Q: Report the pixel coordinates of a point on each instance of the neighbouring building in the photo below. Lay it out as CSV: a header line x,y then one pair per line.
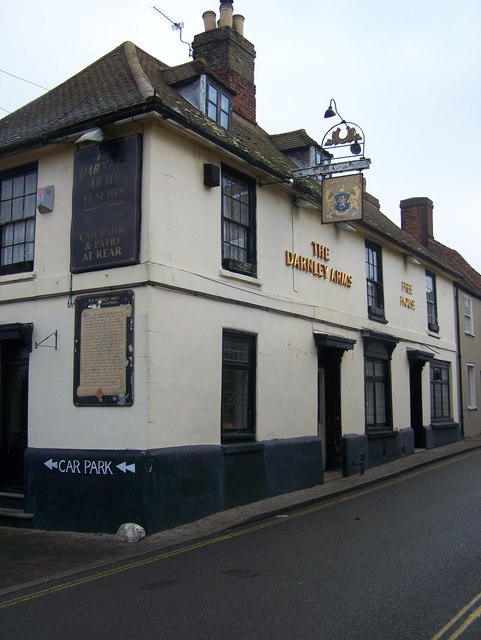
x,y
417,220
179,333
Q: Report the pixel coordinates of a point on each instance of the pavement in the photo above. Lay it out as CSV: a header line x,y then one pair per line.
x,y
30,557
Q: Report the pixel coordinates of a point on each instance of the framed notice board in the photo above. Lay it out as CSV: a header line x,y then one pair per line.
x,y
104,350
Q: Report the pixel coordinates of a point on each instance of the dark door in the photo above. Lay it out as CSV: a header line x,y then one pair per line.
x,y
329,406
415,389
13,411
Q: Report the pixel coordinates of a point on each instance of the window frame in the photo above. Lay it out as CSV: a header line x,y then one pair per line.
x,y
378,350
440,391
468,317
377,395
431,302
246,409
374,282
471,391
15,223
246,229
222,116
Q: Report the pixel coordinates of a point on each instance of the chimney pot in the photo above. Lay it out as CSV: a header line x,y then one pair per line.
x,y
209,18
238,23
226,11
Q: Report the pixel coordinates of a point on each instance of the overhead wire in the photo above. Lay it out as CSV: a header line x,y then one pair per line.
x,y
12,75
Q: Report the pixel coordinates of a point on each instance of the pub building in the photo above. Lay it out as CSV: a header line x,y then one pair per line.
x,y
185,325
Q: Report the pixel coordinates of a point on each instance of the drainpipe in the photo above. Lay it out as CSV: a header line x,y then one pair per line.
x,y
460,372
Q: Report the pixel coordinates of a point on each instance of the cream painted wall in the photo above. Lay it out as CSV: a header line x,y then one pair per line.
x,y
352,389
186,370
179,321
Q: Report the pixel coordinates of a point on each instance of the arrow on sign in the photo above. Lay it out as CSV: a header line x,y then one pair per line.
x,y
51,464
124,467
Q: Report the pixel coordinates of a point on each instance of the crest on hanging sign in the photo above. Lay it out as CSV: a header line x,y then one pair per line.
x,y
342,198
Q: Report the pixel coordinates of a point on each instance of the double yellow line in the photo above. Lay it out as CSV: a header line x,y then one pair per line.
x,y
464,618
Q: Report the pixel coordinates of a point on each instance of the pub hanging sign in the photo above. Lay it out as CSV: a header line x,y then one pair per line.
x,y
105,228
342,198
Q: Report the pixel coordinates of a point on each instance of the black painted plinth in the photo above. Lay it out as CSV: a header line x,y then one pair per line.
x,y
97,491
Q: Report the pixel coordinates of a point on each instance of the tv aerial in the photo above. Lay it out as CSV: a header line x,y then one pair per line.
x,y
176,26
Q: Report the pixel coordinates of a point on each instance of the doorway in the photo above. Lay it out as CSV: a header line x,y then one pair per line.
x,y
14,359
330,351
417,360
329,412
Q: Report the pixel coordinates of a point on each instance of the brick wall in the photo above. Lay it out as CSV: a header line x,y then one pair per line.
x,y
231,58
417,218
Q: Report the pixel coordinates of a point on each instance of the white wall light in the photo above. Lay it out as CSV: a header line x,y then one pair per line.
x,y
92,135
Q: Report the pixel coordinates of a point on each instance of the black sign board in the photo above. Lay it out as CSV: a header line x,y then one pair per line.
x,y
106,205
104,350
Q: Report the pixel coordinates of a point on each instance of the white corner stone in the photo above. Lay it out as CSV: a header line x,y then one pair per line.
x,y
130,532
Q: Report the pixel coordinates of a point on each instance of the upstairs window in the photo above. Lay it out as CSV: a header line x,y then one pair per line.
x,y
468,315
471,386
440,391
238,223
432,309
218,106
375,296
18,201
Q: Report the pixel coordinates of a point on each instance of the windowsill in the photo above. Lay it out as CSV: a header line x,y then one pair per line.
x,y
433,334
380,319
472,408
240,276
382,434
18,277
241,447
444,424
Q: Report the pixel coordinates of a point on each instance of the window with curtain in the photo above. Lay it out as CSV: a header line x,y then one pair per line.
x,y
238,223
18,201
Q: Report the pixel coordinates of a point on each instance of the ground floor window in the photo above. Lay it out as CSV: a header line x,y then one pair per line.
x,y
440,391
376,390
378,350
238,386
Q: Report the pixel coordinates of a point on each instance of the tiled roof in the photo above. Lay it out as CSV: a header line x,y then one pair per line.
x,y
470,279
292,140
100,89
128,81
184,72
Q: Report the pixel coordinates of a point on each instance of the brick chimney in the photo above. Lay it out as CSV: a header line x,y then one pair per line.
x,y
230,56
417,219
